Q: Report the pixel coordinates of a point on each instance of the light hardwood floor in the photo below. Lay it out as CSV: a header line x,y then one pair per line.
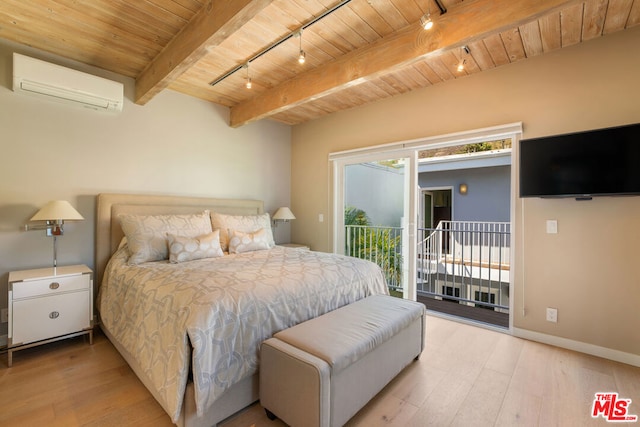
x,y
467,376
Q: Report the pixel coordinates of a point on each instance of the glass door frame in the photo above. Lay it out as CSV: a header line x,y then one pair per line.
x,y
409,242
409,149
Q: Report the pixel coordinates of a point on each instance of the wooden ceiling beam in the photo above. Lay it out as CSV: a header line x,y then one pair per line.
x,y
462,24
215,22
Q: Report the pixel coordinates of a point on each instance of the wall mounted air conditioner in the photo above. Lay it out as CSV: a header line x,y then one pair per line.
x,y
35,77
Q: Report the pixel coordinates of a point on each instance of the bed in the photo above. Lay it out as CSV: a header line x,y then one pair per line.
x,y
190,328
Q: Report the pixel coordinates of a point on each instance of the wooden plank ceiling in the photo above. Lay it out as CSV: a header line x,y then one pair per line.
x,y
364,51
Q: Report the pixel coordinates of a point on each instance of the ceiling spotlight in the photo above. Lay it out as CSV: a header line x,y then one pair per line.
x,y
302,56
425,20
248,80
463,60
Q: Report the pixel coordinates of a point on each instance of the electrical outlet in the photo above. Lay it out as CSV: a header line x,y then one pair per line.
x,y
4,315
552,315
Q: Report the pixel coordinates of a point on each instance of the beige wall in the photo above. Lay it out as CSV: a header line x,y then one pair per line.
x,y
174,145
589,271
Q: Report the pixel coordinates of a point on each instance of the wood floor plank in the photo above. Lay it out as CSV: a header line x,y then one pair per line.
x,y
484,400
519,409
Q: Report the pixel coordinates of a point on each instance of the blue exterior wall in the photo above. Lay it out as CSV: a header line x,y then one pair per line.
x,y
488,194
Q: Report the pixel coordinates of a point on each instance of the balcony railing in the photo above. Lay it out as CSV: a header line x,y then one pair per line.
x,y
466,261
462,261
381,245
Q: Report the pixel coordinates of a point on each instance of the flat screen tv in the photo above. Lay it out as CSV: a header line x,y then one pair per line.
x,y
603,162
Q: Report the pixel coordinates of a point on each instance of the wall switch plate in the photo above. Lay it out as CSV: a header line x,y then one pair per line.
x,y
552,315
320,218
4,315
552,226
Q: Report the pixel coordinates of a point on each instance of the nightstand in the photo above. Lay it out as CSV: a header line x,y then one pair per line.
x,y
46,307
295,245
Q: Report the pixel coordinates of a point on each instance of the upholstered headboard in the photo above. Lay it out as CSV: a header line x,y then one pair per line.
x,y
110,205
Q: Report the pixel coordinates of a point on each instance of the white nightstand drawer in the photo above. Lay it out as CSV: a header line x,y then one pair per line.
x,y
50,286
51,316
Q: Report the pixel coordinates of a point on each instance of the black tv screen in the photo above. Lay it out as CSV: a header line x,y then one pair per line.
x,y
594,163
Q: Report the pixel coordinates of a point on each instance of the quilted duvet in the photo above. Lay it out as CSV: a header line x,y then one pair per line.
x,y
211,315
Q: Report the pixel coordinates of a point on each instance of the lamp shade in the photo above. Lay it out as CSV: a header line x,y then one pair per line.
x,y
57,210
283,214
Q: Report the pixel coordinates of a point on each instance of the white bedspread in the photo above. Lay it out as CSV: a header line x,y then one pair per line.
x,y
225,307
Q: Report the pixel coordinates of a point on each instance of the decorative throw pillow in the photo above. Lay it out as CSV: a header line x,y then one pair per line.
x,y
147,234
245,223
245,242
183,248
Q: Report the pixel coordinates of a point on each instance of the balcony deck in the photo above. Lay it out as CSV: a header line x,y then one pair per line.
x,y
466,261
477,314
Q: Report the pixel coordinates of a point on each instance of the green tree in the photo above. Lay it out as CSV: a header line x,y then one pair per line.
x,y
375,244
477,147
355,216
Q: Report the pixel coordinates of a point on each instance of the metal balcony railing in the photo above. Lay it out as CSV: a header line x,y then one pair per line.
x,y
381,245
464,261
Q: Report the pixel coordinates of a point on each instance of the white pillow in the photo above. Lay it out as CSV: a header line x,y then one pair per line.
x,y
183,248
245,242
147,234
246,223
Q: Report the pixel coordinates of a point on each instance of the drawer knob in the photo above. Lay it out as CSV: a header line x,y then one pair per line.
x,y
54,315
54,285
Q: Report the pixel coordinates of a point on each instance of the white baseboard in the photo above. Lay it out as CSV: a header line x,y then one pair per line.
x,y
594,350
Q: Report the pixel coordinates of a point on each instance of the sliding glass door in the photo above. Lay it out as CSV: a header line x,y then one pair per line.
x,y
376,210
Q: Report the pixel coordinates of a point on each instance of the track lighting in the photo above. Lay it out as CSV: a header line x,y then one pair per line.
x,y
426,21
303,56
463,60
248,80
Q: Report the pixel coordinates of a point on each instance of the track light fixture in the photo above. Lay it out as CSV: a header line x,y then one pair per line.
x,y
425,20
248,80
302,56
463,60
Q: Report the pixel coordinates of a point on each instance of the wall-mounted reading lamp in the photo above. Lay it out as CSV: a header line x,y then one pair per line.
x,y
54,214
283,214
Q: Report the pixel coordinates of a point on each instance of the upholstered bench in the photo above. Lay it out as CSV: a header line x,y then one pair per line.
x,y
321,372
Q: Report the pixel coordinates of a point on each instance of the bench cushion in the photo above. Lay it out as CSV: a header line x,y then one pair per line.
x,y
347,334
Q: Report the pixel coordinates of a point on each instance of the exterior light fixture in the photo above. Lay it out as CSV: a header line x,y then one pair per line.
x,y
463,189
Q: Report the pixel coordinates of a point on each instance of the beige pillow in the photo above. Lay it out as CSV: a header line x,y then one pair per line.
x,y
147,234
245,242
183,248
245,223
